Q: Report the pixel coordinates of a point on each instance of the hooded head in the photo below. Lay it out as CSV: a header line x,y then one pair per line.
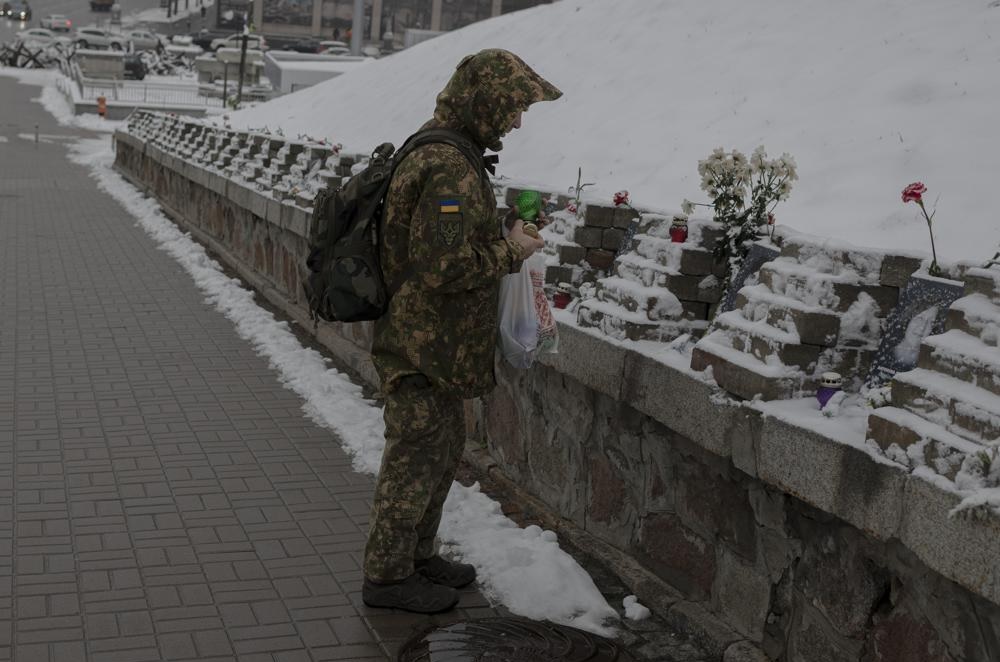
x,y
486,93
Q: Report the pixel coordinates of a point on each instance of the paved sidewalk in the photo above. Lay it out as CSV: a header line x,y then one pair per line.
x,y
162,497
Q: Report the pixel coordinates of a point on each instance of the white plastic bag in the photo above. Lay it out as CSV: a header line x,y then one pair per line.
x,y
548,332
518,336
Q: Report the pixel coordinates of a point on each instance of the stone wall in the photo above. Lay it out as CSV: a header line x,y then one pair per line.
x,y
802,545
811,548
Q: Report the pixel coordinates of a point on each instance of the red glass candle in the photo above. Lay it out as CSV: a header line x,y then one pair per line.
x,y
679,231
561,299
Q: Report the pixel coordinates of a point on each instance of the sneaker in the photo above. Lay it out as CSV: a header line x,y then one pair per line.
x,y
446,573
416,593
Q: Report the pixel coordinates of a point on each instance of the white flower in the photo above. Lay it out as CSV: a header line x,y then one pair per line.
x,y
687,206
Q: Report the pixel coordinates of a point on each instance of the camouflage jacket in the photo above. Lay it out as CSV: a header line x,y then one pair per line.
x,y
441,221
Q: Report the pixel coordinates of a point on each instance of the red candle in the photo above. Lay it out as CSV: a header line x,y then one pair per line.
x,y
678,230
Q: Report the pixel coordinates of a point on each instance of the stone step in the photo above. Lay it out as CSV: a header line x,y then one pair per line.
x,y
702,233
942,450
743,375
617,322
833,254
685,257
977,316
964,357
657,303
765,342
985,282
707,289
966,410
825,290
815,326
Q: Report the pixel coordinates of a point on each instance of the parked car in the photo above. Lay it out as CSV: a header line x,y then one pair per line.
x,y
94,37
204,38
305,46
254,41
335,48
56,23
143,40
40,37
135,68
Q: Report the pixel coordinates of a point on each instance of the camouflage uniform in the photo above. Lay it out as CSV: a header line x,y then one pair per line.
x,y
435,345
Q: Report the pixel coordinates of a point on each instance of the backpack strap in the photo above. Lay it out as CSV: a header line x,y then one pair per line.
x,y
431,136
449,137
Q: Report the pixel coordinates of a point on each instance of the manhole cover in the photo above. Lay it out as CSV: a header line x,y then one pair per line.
x,y
508,639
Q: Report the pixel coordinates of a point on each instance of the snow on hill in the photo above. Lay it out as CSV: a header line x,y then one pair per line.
x,y
867,97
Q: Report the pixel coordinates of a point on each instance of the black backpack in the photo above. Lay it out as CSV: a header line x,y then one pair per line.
x,y
345,281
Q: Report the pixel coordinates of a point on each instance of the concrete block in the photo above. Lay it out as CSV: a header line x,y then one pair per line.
x,y
740,380
964,549
258,204
742,437
589,237
219,184
695,310
897,269
604,367
571,253
299,222
696,288
983,281
813,327
624,217
840,479
273,212
558,274
700,262
599,216
600,259
612,239
679,400
238,194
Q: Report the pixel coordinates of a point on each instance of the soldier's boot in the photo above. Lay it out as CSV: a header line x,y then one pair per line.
x,y
446,573
416,593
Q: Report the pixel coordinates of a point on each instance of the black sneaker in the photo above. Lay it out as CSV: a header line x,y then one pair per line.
x,y
446,573
416,593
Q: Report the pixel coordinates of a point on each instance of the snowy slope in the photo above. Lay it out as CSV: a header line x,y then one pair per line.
x,y
866,96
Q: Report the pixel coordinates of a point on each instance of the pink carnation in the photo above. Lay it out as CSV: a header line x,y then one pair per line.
x,y
914,192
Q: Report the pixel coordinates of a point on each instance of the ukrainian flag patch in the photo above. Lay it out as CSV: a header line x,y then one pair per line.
x,y
450,207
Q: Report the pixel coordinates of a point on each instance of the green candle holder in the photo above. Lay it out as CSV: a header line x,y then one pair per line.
x,y
529,203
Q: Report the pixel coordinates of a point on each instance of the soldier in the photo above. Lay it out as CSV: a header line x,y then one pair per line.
x,y
434,347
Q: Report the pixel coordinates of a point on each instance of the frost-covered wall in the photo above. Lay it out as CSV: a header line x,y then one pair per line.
x,y
794,536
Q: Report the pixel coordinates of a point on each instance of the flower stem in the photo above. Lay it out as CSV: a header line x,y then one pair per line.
x,y
934,270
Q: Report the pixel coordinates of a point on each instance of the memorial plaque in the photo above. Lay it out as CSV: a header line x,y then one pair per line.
x,y
921,311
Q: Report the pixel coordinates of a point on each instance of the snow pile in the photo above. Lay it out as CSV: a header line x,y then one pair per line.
x,y
524,569
633,610
866,97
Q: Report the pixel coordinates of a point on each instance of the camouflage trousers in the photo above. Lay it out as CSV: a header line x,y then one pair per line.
x,y
424,441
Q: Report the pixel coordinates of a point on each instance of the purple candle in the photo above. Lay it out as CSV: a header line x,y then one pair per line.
x,y
829,384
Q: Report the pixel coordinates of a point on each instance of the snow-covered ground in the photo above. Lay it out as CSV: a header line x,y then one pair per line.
x,y
867,97
522,568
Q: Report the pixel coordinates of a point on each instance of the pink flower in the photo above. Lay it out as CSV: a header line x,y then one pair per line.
x,y
914,193
621,198
571,208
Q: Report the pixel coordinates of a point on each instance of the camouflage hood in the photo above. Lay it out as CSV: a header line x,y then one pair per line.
x,y
487,91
